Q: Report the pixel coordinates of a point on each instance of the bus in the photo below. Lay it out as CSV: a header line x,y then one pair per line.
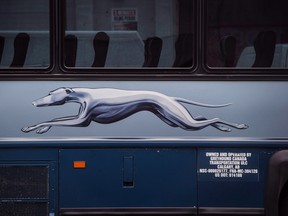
x,y
143,107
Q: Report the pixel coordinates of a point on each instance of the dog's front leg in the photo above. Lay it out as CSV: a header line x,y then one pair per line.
x,y
43,130
34,127
44,127
75,121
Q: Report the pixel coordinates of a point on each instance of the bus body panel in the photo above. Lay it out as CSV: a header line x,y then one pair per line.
x,y
128,177
260,105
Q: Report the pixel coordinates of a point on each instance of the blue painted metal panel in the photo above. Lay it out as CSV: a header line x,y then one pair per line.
x,y
35,157
162,178
24,154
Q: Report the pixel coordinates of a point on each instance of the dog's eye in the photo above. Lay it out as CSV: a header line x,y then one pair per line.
x,y
50,93
68,90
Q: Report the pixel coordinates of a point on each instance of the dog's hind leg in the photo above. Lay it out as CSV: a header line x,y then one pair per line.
x,y
234,125
199,118
215,125
186,122
177,115
217,121
167,121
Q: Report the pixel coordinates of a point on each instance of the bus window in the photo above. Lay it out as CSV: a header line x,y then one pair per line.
x,y
24,34
246,34
128,34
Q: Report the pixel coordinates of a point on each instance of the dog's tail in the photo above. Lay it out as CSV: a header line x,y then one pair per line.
x,y
182,100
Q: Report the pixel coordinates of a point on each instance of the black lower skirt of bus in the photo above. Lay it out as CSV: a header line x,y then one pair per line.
x,y
230,211
128,211
162,211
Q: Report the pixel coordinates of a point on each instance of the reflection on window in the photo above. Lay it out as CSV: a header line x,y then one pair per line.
x,y
128,34
24,34
247,34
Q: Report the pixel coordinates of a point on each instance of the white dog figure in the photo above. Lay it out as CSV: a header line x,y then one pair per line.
x,y
106,105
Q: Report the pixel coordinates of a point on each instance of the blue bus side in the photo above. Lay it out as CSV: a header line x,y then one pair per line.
x,y
156,174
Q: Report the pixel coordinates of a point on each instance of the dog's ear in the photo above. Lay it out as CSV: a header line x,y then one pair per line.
x,y
69,90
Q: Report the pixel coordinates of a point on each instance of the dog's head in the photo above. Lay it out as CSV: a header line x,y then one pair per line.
x,y
54,98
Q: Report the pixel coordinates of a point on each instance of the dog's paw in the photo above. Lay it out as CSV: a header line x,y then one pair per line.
x,y
224,129
242,126
26,129
43,130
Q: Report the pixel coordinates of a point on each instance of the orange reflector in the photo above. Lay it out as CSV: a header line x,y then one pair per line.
x,y
79,164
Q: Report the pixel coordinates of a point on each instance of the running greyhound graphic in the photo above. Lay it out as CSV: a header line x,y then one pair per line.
x,y
107,105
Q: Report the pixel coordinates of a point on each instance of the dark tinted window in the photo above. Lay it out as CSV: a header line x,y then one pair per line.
x,y
128,34
24,34
247,34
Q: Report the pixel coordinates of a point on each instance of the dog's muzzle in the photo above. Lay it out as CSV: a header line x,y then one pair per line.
x,y
46,101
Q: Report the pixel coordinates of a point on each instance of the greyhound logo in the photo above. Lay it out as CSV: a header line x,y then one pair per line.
x,y
106,106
